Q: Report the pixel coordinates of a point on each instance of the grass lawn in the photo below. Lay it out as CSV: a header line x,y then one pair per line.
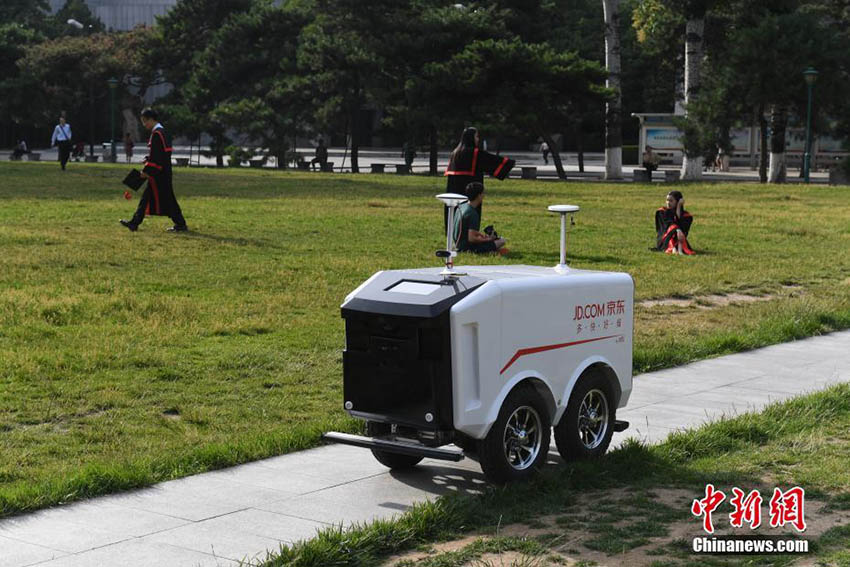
x,y
127,359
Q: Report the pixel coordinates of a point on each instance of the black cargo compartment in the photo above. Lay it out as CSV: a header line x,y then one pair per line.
x,y
397,360
391,378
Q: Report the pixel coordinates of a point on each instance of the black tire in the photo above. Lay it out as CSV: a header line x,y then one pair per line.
x,y
394,461
585,429
508,453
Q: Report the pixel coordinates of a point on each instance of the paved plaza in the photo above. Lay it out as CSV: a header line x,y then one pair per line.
x,y
594,164
240,513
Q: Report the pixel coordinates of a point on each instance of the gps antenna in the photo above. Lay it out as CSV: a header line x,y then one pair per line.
x,y
451,201
564,210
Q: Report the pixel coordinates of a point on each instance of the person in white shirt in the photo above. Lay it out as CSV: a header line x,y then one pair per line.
x,y
20,150
62,138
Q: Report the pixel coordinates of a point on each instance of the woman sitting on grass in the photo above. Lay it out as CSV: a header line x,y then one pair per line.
x,y
672,223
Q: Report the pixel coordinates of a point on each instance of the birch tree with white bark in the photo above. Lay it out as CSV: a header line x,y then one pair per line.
x,y
614,106
694,30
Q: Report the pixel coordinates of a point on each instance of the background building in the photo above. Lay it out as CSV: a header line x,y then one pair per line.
x,y
123,14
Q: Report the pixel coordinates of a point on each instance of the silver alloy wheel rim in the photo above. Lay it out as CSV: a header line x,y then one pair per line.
x,y
522,437
593,419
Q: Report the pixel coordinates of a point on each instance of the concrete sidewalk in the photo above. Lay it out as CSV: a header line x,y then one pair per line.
x,y
237,514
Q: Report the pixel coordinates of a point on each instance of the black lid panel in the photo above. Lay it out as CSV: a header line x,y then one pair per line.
x,y
410,294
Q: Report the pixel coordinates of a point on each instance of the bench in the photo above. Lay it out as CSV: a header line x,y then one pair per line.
x,y
671,175
256,162
303,165
529,172
91,159
34,156
640,176
378,167
665,158
328,167
402,169
181,161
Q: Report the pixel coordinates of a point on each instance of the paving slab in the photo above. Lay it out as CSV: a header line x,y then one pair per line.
x,y
243,512
16,552
54,533
268,524
135,553
217,540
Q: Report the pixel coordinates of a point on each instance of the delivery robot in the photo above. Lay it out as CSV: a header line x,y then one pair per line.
x,y
491,359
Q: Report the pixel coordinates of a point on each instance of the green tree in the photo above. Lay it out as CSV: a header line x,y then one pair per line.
x,y
31,14
344,53
655,19
758,71
523,87
71,74
183,31
251,61
420,95
22,23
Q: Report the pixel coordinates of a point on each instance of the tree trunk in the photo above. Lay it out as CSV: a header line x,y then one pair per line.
x,y
355,127
580,147
432,156
355,146
763,152
219,150
614,107
692,164
553,149
778,120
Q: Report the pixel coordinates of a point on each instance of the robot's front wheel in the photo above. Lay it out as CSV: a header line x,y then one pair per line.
x,y
518,442
585,429
394,461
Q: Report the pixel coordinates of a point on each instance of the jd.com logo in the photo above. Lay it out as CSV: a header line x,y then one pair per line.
x,y
785,509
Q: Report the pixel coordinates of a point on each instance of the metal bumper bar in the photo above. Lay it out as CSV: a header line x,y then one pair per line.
x,y
414,449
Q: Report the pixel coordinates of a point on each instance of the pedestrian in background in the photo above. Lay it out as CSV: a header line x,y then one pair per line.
x,y
128,146
650,162
79,150
408,152
321,156
544,149
62,139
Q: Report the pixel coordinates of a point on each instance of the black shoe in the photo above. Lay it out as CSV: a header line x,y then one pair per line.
x,y
176,228
129,225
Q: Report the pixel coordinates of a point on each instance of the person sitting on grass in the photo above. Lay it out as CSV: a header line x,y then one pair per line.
x,y
672,224
467,232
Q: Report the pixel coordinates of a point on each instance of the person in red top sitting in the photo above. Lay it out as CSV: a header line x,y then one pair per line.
x,y
672,224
